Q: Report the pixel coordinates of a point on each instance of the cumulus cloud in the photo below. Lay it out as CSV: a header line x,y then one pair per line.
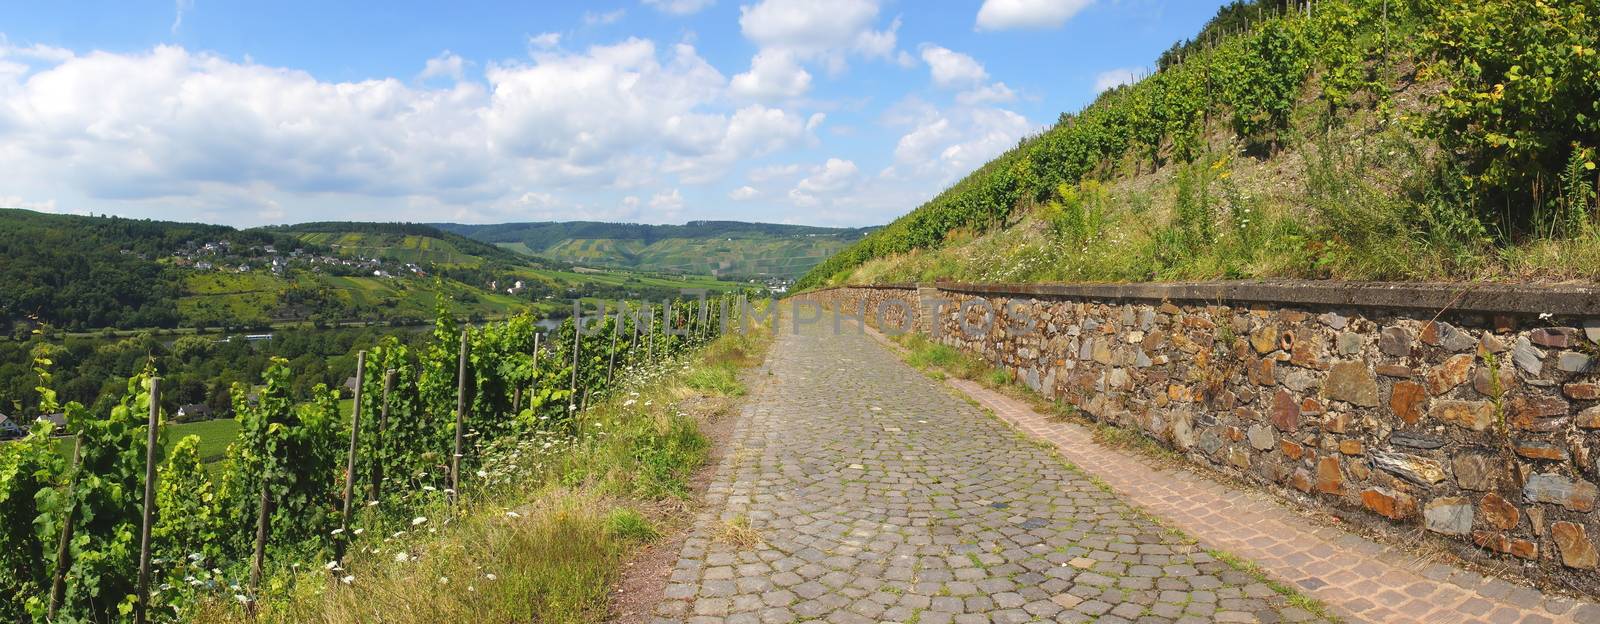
x,y
679,7
952,69
446,65
545,41
824,30
744,193
1113,78
1015,14
773,74
988,94
950,143
168,129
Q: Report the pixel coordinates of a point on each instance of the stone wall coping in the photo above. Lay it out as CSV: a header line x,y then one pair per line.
x,y
1559,300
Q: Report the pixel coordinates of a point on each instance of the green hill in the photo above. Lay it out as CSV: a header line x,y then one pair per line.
x,y
1350,139
91,273
727,248
402,242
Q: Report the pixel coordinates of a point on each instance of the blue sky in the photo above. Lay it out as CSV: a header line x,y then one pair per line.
x,y
827,112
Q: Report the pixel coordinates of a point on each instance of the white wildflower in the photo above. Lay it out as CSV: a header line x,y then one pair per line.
x,y
402,557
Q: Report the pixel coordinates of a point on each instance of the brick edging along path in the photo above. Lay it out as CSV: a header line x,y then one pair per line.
x,y
1359,579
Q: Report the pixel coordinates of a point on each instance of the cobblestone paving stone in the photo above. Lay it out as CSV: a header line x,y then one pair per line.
x,y
878,495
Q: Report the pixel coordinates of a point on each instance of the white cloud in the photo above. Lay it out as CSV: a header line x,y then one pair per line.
x,y
952,69
1009,14
831,177
590,18
744,193
168,132
827,184
585,107
988,94
182,6
823,30
949,144
1111,79
671,199
680,7
545,41
49,205
447,64
773,74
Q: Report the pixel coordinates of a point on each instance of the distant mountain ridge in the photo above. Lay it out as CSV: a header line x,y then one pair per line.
x,y
726,248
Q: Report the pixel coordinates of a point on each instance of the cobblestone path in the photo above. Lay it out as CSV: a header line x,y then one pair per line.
x,y
857,490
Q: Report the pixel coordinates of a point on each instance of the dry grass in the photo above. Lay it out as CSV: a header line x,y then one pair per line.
x,y
738,533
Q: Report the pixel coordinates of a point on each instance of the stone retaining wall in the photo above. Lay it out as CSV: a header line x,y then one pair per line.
x,y
1469,412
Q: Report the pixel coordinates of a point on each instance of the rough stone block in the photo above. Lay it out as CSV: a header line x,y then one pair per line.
x,y
1395,341
1352,383
1418,470
1407,400
1558,490
1573,543
1453,372
1450,516
1499,512
1389,503
1474,415
1477,471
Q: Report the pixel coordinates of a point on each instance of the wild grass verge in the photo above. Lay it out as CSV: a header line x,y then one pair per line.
x,y
556,514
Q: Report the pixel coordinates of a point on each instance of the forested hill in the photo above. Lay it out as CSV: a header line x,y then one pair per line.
x,y
728,248
1344,139
411,242
88,272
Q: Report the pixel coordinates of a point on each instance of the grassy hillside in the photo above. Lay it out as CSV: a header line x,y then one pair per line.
x,y
728,248
1371,139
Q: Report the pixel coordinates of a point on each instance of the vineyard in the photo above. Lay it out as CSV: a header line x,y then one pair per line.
x,y
1494,149
126,529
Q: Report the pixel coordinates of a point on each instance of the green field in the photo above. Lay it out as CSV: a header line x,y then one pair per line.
x,y
215,436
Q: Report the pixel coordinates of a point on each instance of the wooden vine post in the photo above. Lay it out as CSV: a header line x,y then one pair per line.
x,y
577,335
461,419
141,603
377,440
58,582
611,362
533,379
263,518
350,458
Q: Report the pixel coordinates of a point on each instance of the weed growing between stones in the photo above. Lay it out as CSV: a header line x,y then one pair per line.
x,y
739,533
1289,593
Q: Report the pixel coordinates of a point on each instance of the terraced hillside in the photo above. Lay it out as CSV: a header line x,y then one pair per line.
x,y
725,248
401,242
